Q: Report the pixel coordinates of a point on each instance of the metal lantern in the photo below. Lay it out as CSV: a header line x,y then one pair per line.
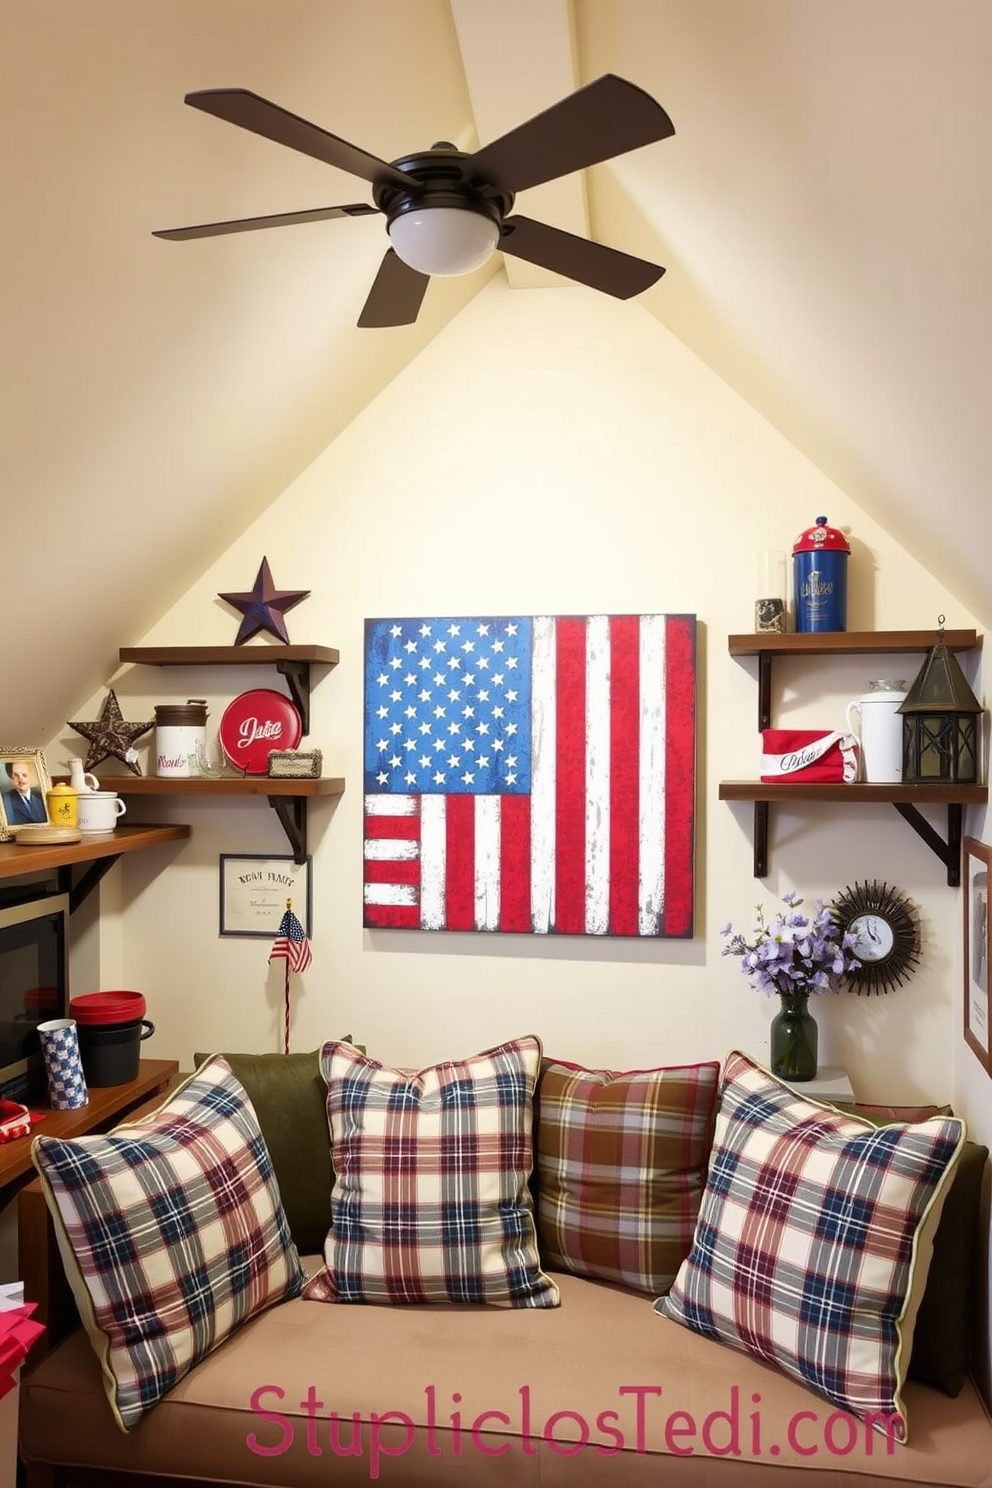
x,y
940,730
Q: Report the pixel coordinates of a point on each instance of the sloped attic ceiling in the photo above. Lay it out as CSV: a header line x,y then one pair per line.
x,y
824,212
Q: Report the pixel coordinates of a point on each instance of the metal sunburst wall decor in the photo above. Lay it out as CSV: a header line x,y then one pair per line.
x,y
886,925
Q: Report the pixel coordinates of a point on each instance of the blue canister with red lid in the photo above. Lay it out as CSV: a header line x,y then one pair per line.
x,y
819,573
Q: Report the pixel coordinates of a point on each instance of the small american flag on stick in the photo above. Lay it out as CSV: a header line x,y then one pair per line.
x,y
292,946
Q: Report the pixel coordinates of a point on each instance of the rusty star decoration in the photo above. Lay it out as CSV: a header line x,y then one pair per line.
x,y
264,606
111,737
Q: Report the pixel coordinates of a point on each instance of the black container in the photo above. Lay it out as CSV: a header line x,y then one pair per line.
x,y
110,1051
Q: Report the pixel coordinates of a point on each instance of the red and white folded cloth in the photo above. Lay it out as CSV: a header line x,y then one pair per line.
x,y
17,1334
808,755
16,1120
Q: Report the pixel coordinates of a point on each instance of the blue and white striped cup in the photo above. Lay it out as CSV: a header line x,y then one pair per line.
x,y
60,1050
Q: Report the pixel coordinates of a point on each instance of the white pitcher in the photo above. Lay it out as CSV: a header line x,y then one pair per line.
x,y
80,779
875,719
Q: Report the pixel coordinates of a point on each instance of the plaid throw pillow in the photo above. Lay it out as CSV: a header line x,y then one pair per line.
x,y
814,1237
621,1164
172,1234
430,1200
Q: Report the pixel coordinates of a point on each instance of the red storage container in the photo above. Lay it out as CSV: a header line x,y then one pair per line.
x,y
112,1027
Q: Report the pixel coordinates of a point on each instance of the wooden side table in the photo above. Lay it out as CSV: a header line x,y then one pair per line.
x,y
107,1105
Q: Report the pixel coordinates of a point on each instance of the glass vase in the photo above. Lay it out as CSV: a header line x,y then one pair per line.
x,y
794,1038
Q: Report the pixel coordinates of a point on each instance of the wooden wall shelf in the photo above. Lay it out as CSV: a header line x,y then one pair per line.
x,y
99,852
831,790
907,799
220,785
292,662
837,643
850,642
288,798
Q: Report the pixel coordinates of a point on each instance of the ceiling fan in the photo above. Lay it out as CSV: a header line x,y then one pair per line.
x,y
446,211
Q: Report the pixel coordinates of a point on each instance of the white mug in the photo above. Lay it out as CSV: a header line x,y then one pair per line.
x,y
98,811
879,729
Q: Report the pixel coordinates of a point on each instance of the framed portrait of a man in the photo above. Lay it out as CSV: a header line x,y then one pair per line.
x,y
24,785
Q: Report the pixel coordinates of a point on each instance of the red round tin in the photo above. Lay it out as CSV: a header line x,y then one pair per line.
x,y
254,724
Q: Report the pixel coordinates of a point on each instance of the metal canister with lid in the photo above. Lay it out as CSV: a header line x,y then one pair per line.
x,y
819,572
180,738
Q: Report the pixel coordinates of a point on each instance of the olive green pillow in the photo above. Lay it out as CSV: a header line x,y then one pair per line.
x,y
289,1095
945,1321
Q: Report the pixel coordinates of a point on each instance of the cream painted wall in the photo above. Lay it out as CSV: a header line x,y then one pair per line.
x,y
557,452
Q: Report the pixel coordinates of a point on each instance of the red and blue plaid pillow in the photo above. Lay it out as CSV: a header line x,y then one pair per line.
x,y
172,1232
814,1238
620,1169
430,1200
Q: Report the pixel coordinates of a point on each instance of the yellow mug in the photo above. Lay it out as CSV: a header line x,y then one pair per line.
x,y
62,806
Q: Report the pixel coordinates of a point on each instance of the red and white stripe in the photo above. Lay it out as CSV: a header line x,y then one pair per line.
x,y
603,845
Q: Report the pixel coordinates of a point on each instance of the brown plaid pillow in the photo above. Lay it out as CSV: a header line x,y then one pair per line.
x,y
621,1165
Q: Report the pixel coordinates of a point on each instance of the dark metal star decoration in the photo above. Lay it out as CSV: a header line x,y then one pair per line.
x,y
111,738
264,606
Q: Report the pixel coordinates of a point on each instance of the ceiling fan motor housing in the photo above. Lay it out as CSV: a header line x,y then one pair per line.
x,y
437,180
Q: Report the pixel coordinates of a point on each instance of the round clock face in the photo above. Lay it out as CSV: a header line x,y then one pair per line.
x,y
875,937
885,927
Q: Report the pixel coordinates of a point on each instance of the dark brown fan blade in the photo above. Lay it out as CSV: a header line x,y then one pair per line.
x,y
604,119
249,224
589,263
249,111
396,296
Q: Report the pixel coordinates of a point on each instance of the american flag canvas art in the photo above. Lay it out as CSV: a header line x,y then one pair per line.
x,y
531,774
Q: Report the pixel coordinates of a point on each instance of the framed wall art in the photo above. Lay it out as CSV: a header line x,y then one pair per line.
x,y
254,891
977,948
24,783
530,774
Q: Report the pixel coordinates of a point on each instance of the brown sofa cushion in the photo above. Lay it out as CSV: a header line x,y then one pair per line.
x,y
575,1359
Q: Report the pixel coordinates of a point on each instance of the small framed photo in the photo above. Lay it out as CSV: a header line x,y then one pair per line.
x,y
24,785
977,948
254,891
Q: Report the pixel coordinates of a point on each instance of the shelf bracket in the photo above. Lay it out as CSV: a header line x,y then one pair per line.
x,y
948,852
292,814
297,674
86,883
761,839
764,692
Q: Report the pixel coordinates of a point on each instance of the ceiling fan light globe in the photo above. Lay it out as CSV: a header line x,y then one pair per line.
x,y
443,240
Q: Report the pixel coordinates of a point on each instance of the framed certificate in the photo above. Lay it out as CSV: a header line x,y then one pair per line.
x,y
254,891
977,933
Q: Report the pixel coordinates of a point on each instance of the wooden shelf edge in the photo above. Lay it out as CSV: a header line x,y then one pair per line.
x,y
227,655
850,642
15,861
865,793
234,785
